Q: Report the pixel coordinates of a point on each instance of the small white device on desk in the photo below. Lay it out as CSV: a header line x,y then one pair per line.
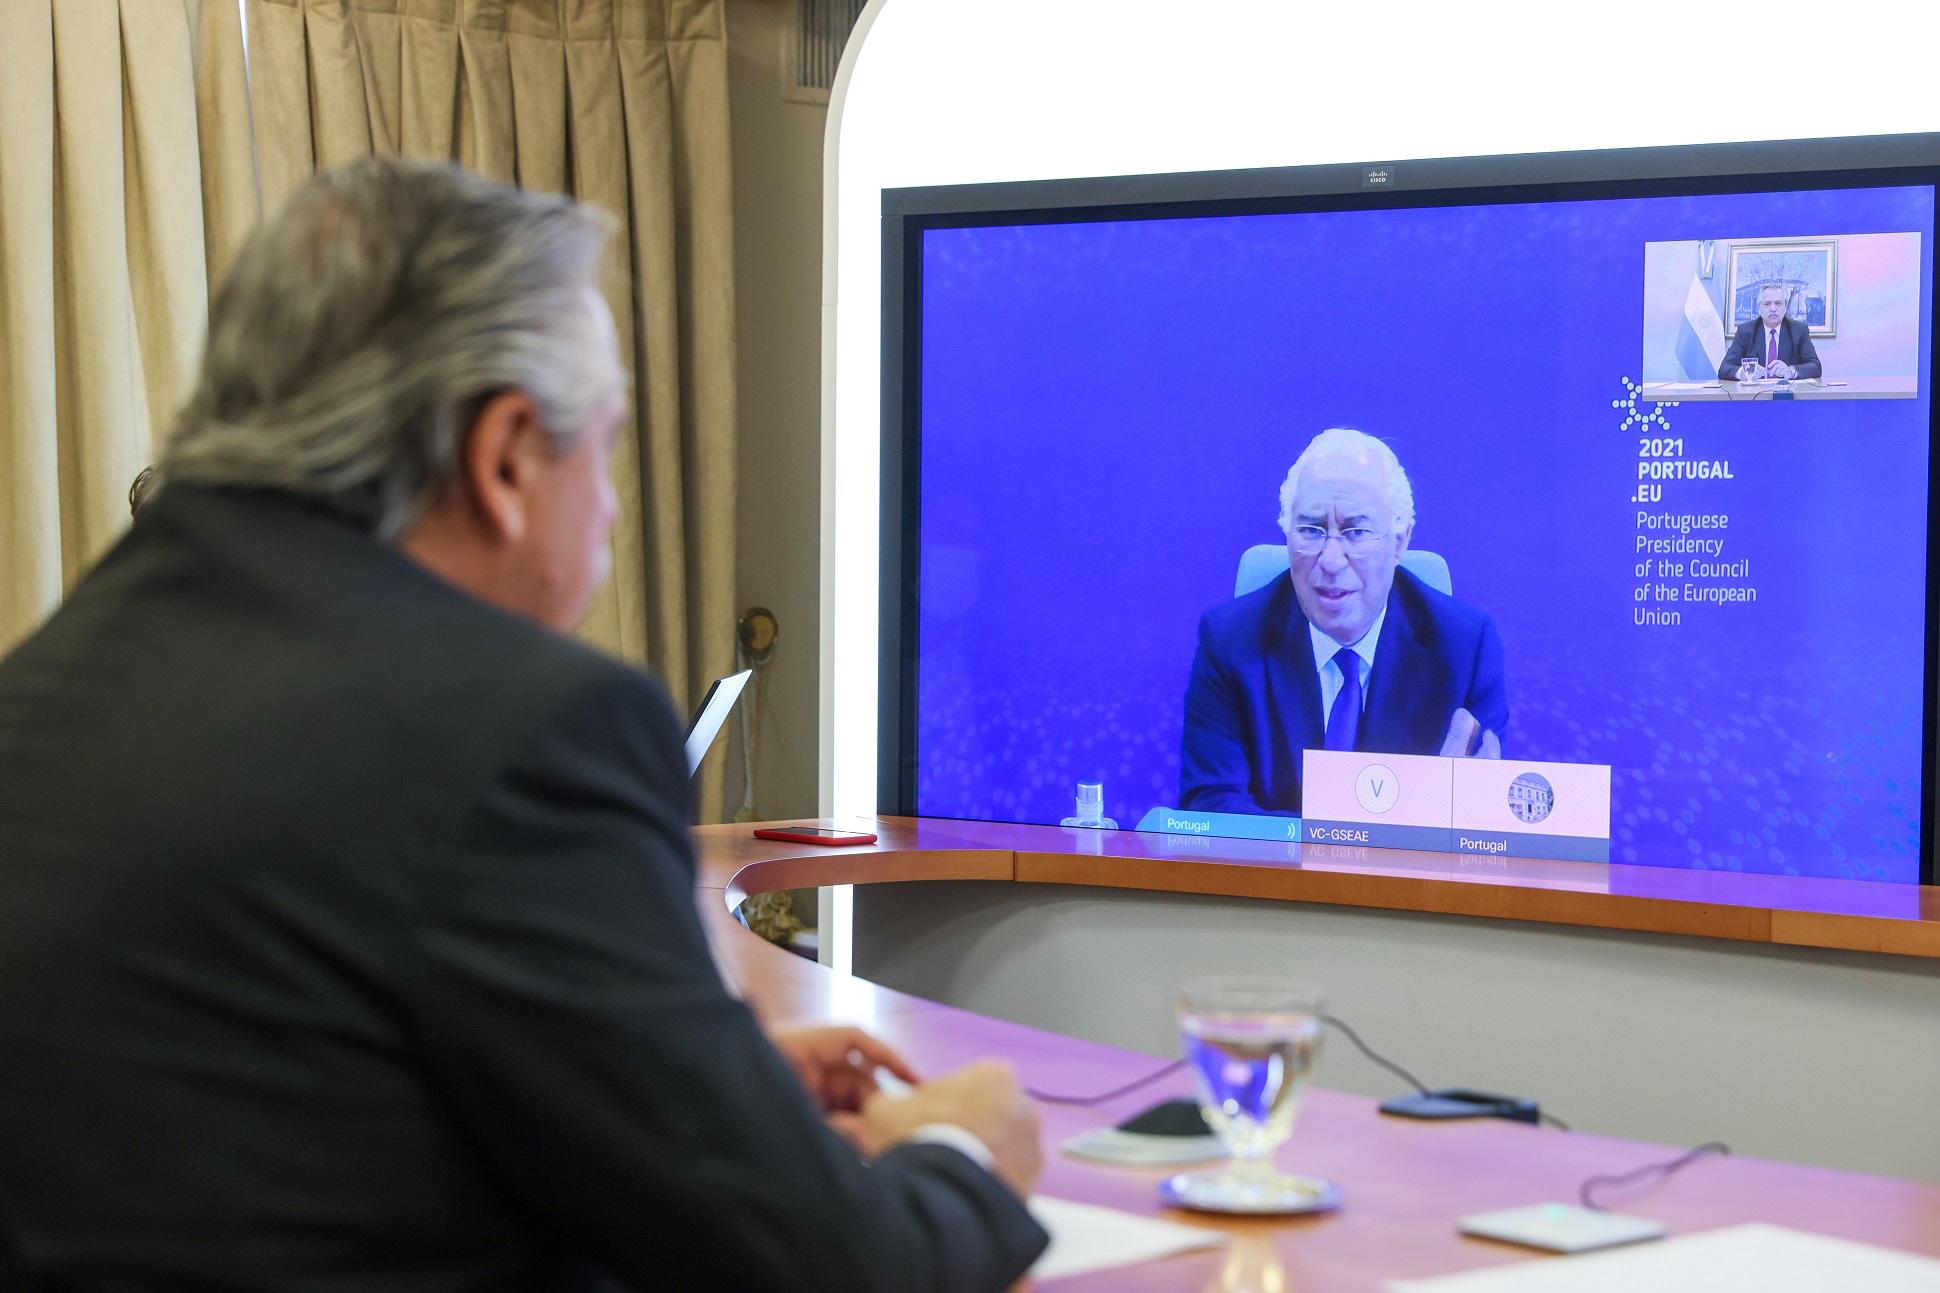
x,y
1562,1227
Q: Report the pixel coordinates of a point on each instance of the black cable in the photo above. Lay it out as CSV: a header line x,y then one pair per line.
x,y
1421,1088
1587,1191
1340,1025
1176,1065
1332,1021
1087,1101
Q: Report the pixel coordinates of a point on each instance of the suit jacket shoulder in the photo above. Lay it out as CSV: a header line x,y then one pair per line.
x,y
369,911
1255,619
1449,616
262,605
1444,653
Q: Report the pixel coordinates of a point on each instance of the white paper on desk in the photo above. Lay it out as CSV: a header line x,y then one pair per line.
x,y
1087,1238
1741,1259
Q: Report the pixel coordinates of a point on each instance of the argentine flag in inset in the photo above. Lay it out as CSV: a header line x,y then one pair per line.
x,y
1700,337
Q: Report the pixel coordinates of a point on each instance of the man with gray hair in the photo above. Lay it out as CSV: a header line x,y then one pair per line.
x,y
347,926
1774,344
1347,650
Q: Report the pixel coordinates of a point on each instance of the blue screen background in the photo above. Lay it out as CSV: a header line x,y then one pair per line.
x,y
1108,410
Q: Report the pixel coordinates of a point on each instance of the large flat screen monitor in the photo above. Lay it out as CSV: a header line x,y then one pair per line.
x,y
1569,507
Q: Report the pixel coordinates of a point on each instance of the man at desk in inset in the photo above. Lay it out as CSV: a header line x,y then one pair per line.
x,y
1345,650
1776,345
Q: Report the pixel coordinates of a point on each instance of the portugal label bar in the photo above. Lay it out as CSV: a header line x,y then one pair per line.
x,y
1229,826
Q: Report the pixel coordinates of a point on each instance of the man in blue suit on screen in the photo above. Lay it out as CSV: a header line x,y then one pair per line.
x,y
1346,651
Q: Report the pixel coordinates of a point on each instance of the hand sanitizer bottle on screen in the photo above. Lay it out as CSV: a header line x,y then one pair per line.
x,y
1091,808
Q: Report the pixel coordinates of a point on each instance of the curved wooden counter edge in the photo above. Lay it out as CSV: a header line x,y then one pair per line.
x,y
1405,1181
1847,915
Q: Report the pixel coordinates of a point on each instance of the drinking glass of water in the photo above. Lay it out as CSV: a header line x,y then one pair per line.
x,y
1251,1042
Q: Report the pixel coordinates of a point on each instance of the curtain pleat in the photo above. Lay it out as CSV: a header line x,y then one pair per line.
x,y
487,136
225,136
646,93
98,369
428,87
622,104
279,100
111,165
381,50
339,102
30,511
111,162
167,270
598,168
541,148
706,272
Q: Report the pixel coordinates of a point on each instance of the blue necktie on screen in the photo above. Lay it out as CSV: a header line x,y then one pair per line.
x,y
1344,724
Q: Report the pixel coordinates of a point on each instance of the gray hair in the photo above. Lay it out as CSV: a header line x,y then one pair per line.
x,y
1780,288
1338,444
365,325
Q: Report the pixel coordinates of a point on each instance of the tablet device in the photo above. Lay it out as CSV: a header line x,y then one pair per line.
x,y
715,707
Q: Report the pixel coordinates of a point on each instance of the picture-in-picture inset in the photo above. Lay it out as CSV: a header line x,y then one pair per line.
x,y
1833,317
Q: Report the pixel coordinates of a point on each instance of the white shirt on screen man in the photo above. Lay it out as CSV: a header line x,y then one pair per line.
x,y
1331,681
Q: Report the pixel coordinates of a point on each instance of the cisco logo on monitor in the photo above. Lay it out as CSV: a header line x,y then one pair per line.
x,y
1531,798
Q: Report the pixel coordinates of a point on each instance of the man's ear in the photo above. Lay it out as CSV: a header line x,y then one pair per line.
x,y
505,442
1401,537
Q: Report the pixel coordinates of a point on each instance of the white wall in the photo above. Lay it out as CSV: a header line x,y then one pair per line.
x,y
1813,1056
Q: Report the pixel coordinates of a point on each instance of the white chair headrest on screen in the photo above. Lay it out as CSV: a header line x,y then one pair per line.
x,y
1262,563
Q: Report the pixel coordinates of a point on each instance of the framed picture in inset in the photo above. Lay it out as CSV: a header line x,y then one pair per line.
x,y
1808,269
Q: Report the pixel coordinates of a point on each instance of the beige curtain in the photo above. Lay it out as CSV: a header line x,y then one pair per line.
x,y
621,103
116,211
125,185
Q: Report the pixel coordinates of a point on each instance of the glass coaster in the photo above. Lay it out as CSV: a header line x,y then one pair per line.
x,y
1222,1191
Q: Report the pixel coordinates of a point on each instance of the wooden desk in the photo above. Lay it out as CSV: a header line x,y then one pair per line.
x,y
1405,1182
1850,915
1851,388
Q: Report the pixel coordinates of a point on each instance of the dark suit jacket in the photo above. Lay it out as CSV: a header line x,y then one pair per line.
x,y
1253,703
348,940
1794,347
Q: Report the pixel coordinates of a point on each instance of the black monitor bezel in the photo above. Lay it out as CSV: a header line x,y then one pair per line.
x,y
907,213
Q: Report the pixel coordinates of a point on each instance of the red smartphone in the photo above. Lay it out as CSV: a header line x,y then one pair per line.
x,y
813,835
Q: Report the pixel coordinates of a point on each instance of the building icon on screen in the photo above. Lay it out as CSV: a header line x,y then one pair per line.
x,y
1531,798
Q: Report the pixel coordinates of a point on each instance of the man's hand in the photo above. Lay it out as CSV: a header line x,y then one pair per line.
x,y
1462,743
982,1098
1782,370
838,1065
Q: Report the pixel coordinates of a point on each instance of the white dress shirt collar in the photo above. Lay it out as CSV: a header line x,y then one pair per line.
x,y
1325,647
